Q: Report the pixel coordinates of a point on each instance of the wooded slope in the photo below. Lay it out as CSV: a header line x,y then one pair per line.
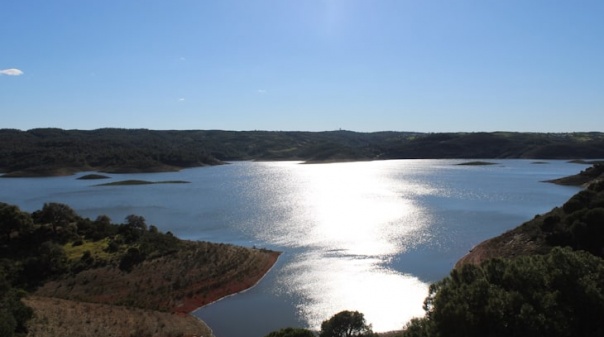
x,y
43,152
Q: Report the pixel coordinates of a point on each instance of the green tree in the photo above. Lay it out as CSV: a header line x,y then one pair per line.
x,y
133,229
13,313
132,257
558,294
346,324
57,215
291,332
49,260
13,220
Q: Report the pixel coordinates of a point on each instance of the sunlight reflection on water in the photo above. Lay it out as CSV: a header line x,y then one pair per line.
x,y
356,236
351,218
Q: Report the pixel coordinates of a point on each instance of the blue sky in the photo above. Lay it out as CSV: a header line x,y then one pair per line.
x,y
361,65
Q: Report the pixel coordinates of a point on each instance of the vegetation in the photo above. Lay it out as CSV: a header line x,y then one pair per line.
x,y
93,177
13,312
586,176
558,294
346,324
61,318
55,253
291,332
44,152
142,182
476,163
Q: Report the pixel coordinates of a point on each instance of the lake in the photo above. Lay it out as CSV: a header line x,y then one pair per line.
x,y
366,236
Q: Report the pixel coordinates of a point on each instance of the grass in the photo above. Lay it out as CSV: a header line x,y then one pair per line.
x,y
153,299
58,318
96,249
197,274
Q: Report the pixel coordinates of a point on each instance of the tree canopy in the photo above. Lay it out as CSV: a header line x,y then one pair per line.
x,y
558,294
346,324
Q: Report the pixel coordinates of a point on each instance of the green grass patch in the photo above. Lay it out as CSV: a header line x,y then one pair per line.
x,y
96,249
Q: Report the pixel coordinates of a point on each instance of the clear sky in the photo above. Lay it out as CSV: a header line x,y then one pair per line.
x,y
308,65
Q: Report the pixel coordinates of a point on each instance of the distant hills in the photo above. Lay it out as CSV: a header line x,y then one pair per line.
x,y
44,152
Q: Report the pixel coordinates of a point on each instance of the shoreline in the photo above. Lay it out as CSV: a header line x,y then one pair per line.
x,y
190,305
172,286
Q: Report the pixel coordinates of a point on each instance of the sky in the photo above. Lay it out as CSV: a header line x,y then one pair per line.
x,y
303,65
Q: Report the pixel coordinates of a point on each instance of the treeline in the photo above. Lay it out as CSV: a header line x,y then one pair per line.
x,y
55,241
56,151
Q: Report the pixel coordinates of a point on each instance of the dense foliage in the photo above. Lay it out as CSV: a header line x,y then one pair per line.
x,y
56,151
43,245
13,313
558,294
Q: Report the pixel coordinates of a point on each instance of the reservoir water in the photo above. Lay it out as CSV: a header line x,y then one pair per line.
x,y
366,236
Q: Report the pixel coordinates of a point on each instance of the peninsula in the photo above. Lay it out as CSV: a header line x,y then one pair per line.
x,y
92,277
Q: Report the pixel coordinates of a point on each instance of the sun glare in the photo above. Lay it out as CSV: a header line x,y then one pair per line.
x,y
355,217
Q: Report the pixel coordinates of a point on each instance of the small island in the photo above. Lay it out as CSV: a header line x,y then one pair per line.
x,y
93,176
142,182
476,163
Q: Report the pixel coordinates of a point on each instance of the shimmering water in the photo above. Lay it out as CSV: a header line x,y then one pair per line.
x,y
366,236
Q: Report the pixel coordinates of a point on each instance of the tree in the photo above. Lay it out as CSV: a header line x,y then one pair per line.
x,y
291,332
346,324
12,220
57,215
13,313
133,229
558,294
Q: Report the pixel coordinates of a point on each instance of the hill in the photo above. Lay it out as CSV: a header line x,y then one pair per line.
x,y
130,274
46,152
583,178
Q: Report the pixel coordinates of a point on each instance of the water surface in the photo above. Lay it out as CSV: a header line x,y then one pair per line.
x,y
367,236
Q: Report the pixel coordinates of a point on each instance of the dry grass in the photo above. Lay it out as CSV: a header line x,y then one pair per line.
x,y
164,290
197,274
59,318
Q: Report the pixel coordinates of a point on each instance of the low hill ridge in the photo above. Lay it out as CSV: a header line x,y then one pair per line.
x,y
46,152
